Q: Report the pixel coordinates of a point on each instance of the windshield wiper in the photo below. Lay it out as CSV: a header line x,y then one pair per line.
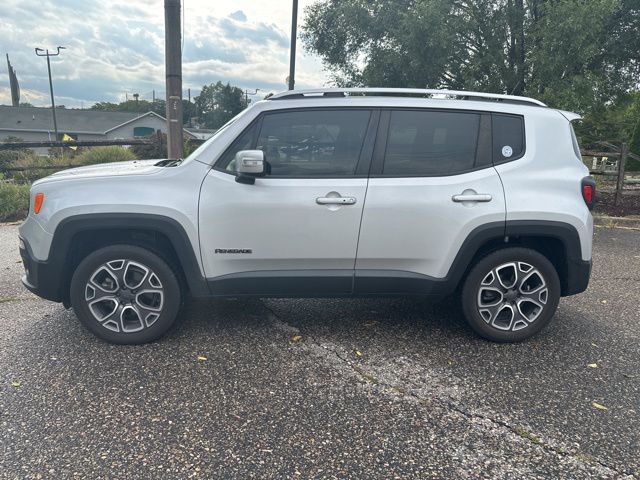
x,y
168,163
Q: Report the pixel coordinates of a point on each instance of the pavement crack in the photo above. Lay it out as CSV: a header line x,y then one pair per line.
x,y
350,366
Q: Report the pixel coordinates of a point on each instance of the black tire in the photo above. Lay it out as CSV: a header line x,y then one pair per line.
x,y
147,311
482,289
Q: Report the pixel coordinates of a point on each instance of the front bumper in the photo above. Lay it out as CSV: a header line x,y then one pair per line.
x,y
40,278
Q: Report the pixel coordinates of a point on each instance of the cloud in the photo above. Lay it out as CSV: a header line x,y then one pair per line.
x,y
118,46
239,16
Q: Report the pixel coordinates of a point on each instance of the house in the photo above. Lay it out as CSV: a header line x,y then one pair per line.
x,y
34,124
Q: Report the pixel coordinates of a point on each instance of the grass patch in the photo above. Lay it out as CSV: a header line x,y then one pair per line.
x,y
14,201
98,155
9,299
521,432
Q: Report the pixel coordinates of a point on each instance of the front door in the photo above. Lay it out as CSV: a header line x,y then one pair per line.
x,y
295,231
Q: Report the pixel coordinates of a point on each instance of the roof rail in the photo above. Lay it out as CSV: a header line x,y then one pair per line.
x,y
344,92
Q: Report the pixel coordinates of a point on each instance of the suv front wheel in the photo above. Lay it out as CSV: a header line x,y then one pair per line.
x,y
511,294
125,294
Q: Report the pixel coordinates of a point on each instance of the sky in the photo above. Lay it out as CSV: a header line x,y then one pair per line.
x,y
115,48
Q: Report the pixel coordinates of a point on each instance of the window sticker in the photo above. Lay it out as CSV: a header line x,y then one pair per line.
x,y
507,151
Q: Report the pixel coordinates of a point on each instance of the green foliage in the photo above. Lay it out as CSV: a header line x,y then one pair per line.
x,y
7,157
218,103
152,150
104,155
14,201
159,151
34,167
141,106
613,123
572,54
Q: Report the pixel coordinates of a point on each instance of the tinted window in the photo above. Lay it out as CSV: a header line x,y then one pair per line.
x,y
313,142
431,143
508,137
243,142
576,145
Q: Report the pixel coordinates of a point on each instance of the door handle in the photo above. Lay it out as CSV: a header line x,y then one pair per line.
x,y
336,201
476,197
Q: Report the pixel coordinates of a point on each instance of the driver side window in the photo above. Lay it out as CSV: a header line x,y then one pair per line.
x,y
243,142
312,143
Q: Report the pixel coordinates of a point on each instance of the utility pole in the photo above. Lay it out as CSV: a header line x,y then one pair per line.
x,y
173,66
294,34
39,52
246,95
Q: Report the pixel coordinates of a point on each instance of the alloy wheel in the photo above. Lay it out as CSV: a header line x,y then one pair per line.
x,y
124,296
512,296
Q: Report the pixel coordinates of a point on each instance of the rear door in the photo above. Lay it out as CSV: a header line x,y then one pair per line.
x,y
432,183
295,231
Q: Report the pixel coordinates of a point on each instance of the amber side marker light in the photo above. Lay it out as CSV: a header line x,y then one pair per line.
x,y
38,200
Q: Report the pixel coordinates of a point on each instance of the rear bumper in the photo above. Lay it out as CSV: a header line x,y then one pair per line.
x,y
40,277
578,275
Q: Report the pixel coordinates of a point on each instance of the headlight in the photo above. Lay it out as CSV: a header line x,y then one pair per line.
x,y
21,244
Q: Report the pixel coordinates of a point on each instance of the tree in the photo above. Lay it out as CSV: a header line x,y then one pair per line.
x,y
141,106
144,106
571,53
218,103
613,123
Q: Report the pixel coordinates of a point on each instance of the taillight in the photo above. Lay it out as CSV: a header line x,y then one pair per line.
x,y
589,191
38,200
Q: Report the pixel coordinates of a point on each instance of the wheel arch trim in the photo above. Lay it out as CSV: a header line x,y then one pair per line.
x,y
175,233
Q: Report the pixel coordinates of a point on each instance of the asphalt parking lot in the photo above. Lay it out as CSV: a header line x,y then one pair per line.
x,y
364,388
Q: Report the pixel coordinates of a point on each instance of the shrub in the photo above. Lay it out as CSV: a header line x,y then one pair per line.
x,y
14,201
33,167
104,155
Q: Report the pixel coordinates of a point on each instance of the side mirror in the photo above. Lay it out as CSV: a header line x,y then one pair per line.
x,y
249,165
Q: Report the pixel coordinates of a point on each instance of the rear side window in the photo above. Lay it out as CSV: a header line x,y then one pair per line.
x,y
508,137
431,143
313,143
576,145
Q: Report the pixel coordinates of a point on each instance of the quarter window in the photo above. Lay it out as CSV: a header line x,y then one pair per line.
x,y
508,137
313,142
431,143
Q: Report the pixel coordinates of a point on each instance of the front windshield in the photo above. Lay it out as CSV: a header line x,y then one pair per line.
x,y
198,151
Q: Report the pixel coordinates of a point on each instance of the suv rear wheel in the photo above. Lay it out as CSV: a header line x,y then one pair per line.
x,y
511,294
125,294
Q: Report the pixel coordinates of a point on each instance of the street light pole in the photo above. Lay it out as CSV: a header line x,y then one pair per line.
x,y
53,102
294,34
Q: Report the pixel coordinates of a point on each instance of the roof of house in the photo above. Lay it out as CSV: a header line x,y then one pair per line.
x,y
69,120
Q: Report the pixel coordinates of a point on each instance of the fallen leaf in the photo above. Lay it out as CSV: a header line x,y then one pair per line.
x,y
592,365
16,383
296,338
358,353
598,406
594,345
202,358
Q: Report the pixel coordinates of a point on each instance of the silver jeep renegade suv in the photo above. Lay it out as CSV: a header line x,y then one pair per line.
x,y
328,193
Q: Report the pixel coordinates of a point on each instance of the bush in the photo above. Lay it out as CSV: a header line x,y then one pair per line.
x,y
33,164
14,201
104,155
